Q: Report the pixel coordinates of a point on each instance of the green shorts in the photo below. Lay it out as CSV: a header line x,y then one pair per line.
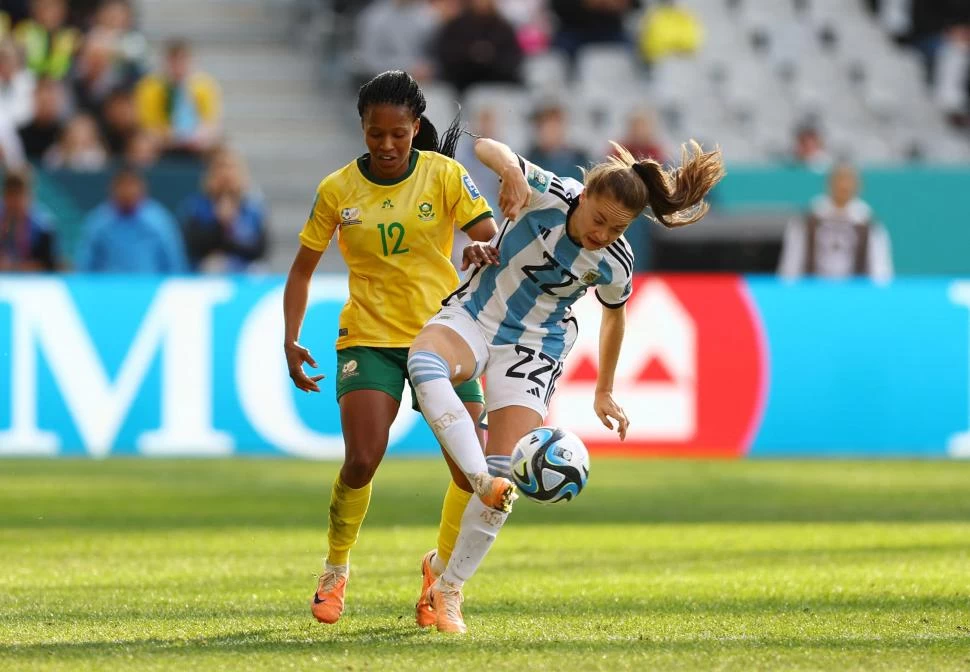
x,y
385,369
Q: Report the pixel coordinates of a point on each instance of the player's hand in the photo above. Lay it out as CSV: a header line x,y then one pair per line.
x,y
514,194
476,254
296,356
608,410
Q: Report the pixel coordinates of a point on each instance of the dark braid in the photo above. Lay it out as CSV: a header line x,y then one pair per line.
x,y
396,87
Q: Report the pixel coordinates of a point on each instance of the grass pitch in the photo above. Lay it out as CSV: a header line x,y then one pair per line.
x,y
149,564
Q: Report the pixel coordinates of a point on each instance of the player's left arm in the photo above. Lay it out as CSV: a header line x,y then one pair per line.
x,y
612,329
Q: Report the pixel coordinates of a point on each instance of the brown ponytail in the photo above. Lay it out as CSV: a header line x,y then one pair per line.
x,y
675,196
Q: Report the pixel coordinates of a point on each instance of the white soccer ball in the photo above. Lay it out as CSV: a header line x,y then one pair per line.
x,y
550,464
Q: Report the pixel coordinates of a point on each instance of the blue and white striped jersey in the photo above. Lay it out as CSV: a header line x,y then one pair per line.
x,y
527,297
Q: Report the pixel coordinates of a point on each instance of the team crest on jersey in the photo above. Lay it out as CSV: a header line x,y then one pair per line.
x,y
470,187
350,216
425,212
538,180
589,277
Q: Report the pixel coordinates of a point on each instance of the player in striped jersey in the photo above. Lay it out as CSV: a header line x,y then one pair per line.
x,y
510,321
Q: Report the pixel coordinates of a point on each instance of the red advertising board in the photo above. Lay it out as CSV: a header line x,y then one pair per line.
x,y
692,374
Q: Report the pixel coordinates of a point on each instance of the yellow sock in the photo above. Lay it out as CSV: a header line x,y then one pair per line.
x,y
348,506
452,510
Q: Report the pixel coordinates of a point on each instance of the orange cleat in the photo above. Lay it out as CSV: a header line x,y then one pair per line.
x,y
423,611
445,599
328,601
495,492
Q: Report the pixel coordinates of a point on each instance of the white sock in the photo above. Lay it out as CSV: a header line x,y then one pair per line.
x,y
437,566
445,413
479,527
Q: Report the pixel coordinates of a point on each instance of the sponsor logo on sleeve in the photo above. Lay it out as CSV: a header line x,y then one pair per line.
x,y
538,179
470,187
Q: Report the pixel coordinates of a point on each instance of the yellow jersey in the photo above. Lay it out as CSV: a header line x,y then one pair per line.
x,y
396,238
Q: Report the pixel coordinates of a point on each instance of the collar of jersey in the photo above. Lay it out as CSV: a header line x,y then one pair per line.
x,y
370,177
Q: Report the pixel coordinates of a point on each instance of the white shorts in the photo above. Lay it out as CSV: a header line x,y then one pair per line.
x,y
516,375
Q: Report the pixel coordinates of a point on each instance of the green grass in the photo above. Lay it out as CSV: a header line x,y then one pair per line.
x,y
141,564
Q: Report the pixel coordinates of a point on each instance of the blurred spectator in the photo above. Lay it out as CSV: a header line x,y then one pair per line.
x,y
531,22
130,233
394,35
838,238
129,47
11,148
484,124
47,40
809,149
669,29
119,121
27,238
180,105
224,225
79,147
142,150
478,46
583,22
952,75
12,12
45,128
95,75
16,86
551,150
641,136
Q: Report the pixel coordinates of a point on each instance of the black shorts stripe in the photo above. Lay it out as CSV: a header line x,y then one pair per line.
x,y
552,384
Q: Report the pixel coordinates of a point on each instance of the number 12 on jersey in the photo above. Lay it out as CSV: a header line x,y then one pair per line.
x,y
395,233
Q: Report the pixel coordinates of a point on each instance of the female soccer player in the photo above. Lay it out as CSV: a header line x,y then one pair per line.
x,y
394,210
510,321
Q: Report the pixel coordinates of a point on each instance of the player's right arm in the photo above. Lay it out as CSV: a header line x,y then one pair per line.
x,y
514,194
314,239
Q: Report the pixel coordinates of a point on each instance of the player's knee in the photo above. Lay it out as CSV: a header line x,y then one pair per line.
x,y
499,465
425,366
359,470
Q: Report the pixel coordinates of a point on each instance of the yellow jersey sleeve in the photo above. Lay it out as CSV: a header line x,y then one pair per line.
x,y
465,202
323,219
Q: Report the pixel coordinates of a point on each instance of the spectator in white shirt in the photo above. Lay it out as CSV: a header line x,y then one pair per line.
x,y
838,237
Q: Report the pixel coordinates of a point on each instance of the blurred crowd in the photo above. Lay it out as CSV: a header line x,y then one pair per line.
x,y
78,94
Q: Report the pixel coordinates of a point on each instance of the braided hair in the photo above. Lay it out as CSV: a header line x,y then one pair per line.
x,y
396,87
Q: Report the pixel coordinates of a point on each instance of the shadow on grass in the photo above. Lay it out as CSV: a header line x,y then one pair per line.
x,y
834,605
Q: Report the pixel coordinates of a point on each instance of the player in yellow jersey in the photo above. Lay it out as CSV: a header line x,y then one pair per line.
x,y
393,211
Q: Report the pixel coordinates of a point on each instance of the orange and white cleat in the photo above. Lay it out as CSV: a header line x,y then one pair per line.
x,y
495,492
445,599
328,601
423,611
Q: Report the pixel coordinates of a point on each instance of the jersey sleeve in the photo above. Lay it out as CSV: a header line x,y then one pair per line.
x,y
617,291
322,221
465,201
548,189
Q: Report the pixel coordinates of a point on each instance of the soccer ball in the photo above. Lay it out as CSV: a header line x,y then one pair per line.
x,y
550,464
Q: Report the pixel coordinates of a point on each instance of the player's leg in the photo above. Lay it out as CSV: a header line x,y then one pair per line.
x,y
441,357
369,389
456,499
480,524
